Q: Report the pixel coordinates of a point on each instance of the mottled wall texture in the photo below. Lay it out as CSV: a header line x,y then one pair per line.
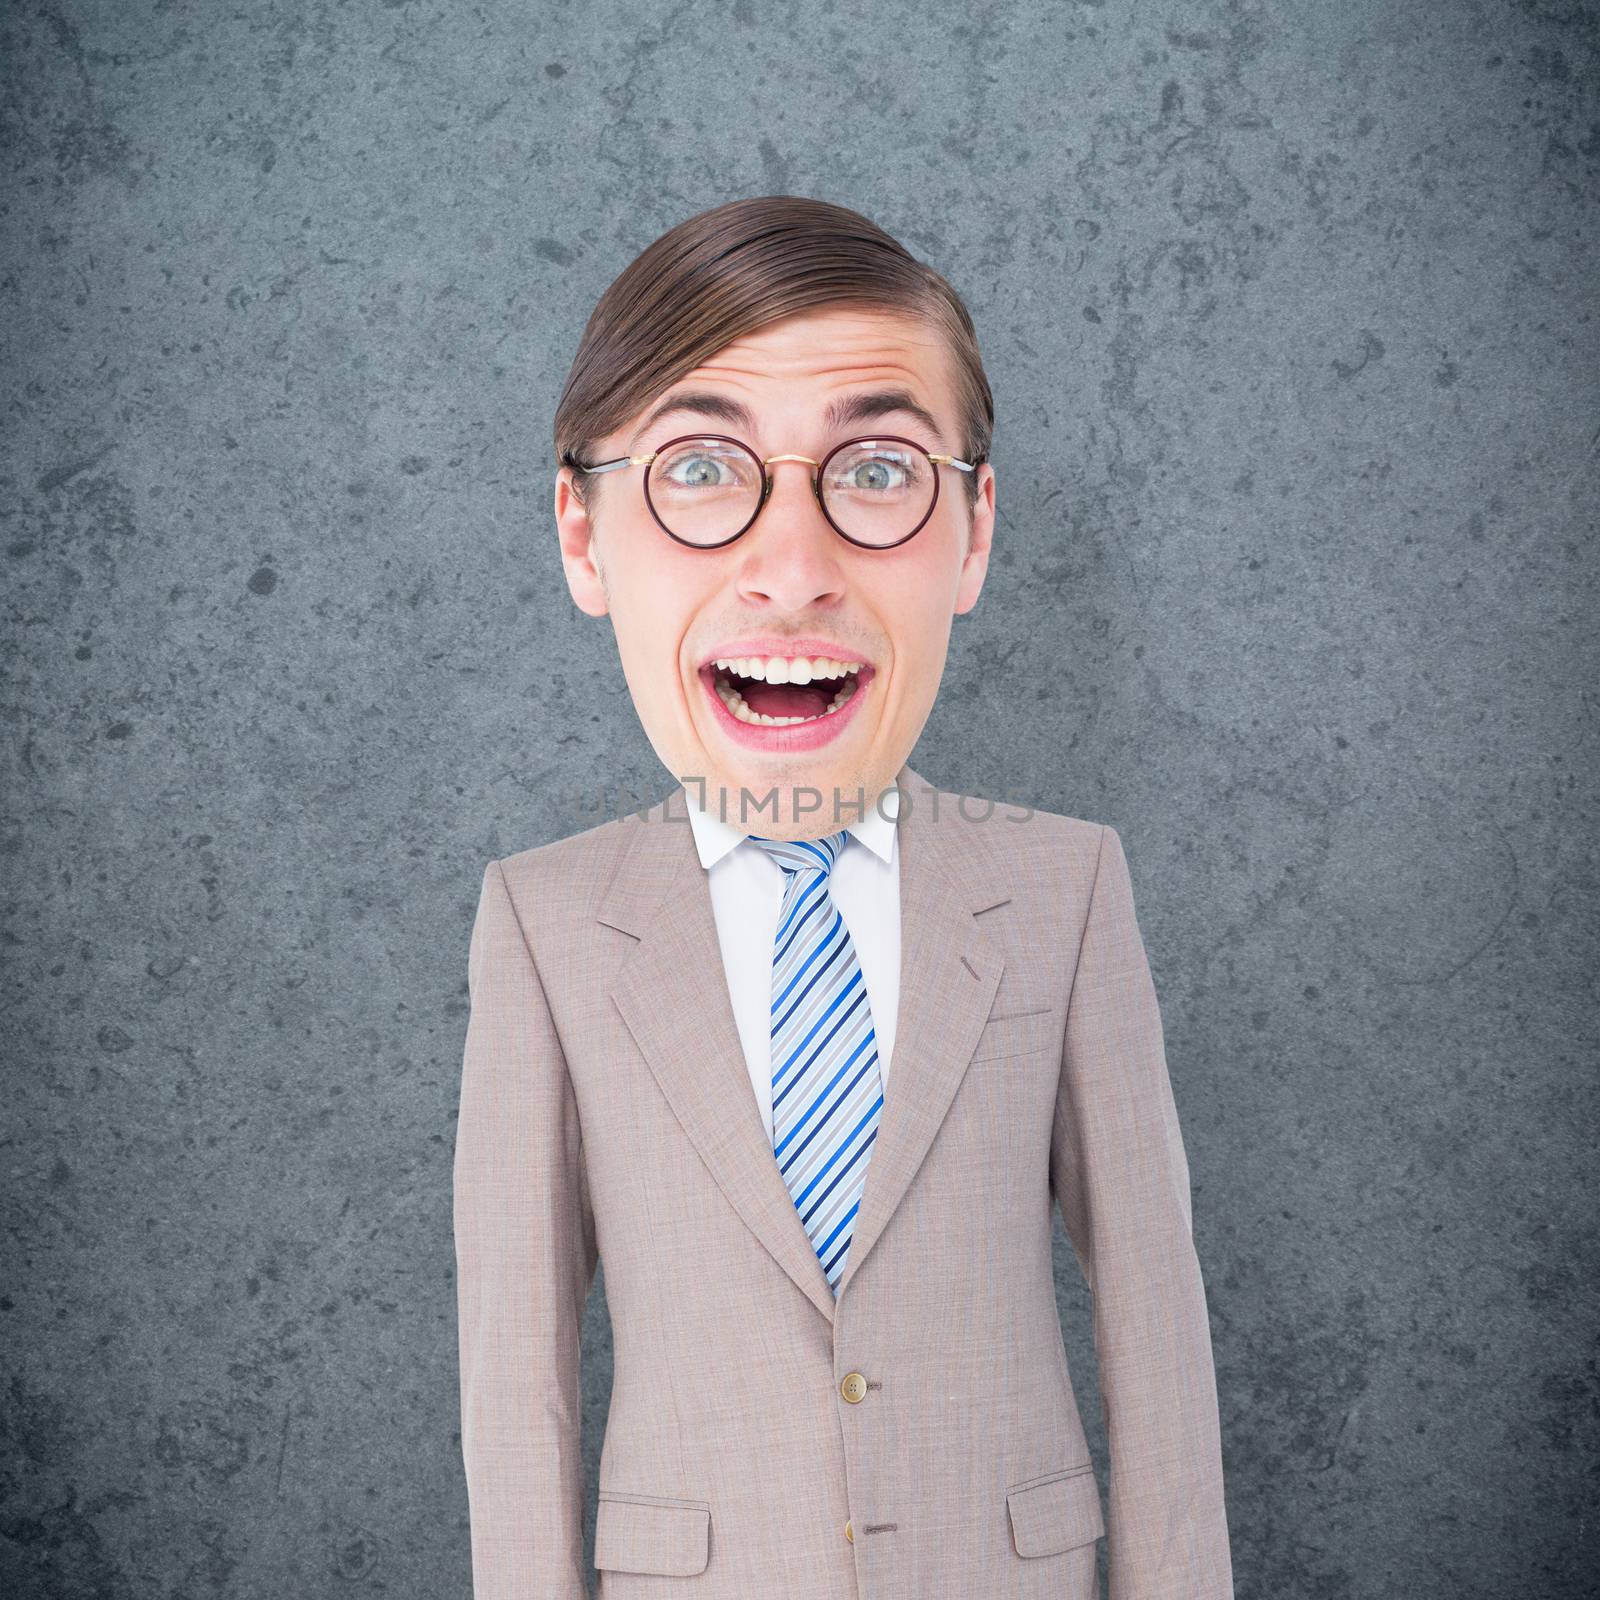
x,y
1289,309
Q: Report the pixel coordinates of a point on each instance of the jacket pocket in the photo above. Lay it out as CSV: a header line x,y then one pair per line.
x,y
650,1533
1013,1033
1055,1512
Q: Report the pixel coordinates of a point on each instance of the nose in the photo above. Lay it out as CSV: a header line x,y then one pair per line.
x,y
790,558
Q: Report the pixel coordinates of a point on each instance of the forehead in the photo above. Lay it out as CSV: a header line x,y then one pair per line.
x,y
789,368
834,344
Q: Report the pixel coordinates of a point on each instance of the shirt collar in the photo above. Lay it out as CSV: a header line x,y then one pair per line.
x,y
714,838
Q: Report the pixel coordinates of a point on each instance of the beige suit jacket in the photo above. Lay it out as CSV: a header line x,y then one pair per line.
x,y
919,1437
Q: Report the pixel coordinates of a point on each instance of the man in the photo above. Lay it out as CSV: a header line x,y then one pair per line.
x,y
808,1050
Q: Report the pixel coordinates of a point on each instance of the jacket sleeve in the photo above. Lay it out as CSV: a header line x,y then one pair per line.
x,y
525,1258
1120,1175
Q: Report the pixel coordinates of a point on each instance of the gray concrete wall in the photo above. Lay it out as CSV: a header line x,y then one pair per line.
x,y
1289,310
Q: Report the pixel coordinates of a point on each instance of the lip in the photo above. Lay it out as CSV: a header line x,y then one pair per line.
x,y
767,644
795,736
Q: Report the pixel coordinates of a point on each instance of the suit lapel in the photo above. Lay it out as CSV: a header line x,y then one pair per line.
x,y
672,993
950,966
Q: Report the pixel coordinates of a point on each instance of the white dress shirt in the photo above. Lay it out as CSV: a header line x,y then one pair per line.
x,y
747,897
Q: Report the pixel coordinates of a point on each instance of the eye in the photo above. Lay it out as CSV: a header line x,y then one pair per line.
x,y
696,470
875,472
703,467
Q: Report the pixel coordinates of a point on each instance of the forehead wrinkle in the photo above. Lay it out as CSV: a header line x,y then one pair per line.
x,y
879,368
843,366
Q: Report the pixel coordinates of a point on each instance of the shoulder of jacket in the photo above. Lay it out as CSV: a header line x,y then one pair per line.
x,y
567,872
1028,845
1055,831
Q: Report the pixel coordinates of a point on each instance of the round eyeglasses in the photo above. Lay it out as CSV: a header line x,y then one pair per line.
x,y
705,489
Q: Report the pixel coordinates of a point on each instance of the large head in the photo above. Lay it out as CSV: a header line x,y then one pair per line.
x,y
792,326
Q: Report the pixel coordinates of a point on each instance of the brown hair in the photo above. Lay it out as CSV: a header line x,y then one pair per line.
x,y
732,270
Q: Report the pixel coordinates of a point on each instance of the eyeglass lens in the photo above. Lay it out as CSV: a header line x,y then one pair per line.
x,y
706,490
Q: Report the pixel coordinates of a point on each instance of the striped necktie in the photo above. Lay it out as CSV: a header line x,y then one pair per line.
x,y
827,1091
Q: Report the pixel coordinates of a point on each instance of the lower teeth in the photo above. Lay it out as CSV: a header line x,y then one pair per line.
x,y
734,701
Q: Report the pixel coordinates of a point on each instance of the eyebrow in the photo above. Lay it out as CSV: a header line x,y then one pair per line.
x,y
841,413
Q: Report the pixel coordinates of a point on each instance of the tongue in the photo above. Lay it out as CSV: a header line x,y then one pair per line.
x,y
787,699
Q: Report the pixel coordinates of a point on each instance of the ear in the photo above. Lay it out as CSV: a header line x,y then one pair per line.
x,y
975,565
576,532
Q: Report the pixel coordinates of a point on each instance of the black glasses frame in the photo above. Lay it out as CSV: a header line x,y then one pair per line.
x,y
937,459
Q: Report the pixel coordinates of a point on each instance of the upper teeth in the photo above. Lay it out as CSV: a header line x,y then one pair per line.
x,y
788,669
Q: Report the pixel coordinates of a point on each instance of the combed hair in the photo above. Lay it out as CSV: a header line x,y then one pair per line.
x,y
731,271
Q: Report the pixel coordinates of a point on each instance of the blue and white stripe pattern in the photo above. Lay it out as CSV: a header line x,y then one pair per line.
x,y
827,1090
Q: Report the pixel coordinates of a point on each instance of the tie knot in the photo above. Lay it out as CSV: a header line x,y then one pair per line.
x,y
804,855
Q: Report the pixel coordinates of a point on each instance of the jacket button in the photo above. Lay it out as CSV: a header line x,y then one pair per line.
x,y
847,1533
854,1388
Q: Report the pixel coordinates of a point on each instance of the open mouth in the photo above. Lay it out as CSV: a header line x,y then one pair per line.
x,y
783,693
